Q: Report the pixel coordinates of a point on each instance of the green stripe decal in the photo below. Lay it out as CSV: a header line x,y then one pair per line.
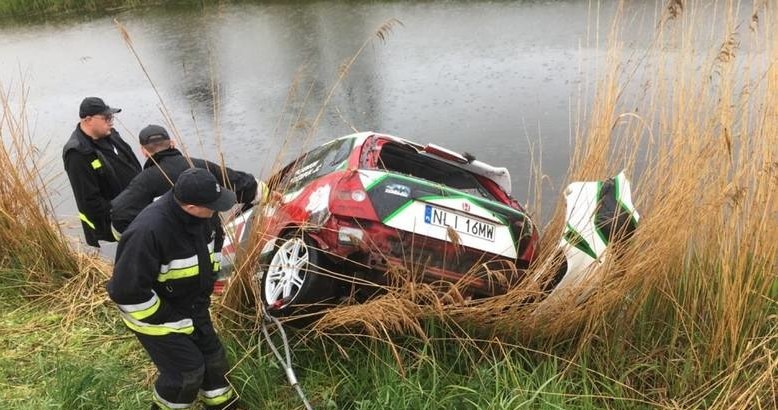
x,y
397,211
455,194
574,238
376,182
598,228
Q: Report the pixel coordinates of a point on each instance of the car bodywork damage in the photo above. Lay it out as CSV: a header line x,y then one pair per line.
x,y
367,204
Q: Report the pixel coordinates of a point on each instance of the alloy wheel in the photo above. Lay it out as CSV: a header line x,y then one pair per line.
x,y
287,271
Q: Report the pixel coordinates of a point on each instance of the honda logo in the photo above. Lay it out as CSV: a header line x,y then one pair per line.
x,y
465,207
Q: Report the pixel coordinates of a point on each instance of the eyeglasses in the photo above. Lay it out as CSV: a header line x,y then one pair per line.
x,y
106,117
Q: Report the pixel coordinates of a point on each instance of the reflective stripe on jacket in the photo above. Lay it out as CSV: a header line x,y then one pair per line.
x,y
97,174
166,264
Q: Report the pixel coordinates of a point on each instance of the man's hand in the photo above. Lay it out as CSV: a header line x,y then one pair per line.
x,y
265,194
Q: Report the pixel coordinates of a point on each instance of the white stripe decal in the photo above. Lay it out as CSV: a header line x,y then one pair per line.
x,y
140,306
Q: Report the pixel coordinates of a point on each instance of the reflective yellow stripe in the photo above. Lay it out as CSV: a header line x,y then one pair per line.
x,y
216,258
186,268
142,310
216,397
86,220
96,164
179,264
265,192
179,273
142,314
116,234
184,326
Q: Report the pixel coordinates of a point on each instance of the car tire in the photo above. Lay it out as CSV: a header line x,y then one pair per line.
x,y
294,277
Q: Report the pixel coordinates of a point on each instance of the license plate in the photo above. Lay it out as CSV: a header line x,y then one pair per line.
x,y
460,223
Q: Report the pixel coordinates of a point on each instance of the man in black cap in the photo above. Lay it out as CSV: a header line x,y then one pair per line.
x,y
99,165
163,166
161,170
162,281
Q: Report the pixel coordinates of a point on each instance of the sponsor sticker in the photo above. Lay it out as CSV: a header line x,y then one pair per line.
x,y
398,189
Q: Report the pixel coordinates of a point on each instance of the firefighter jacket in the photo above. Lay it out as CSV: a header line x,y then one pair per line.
x,y
98,171
159,174
164,270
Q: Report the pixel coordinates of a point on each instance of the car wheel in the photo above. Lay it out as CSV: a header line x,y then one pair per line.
x,y
293,280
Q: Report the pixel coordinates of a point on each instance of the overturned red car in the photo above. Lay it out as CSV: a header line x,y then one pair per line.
x,y
363,205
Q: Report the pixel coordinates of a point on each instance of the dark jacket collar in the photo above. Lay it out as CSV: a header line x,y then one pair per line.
x,y
160,156
79,141
84,144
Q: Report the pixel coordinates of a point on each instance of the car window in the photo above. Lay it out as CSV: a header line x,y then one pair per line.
x,y
317,163
402,159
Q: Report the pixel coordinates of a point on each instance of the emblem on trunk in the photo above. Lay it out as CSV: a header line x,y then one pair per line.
x,y
398,189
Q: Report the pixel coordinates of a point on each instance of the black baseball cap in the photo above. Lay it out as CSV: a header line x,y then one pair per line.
x,y
152,133
197,186
95,106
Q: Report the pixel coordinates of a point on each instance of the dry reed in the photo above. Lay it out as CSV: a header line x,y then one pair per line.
x,y
32,239
699,273
702,152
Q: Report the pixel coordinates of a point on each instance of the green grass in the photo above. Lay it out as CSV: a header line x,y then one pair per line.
x,y
44,365
96,364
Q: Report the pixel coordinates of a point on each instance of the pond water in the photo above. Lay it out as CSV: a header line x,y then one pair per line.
x,y
499,80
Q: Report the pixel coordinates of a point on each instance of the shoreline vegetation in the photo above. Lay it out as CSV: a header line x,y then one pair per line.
x,y
686,318
32,9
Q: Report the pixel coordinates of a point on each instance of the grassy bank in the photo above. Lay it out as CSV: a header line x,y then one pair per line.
x,y
686,316
96,364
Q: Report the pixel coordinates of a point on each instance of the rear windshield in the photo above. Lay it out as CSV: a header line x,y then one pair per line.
x,y
405,160
317,163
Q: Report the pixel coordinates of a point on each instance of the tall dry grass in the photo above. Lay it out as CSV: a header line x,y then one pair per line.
x,y
65,279
32,240
687,312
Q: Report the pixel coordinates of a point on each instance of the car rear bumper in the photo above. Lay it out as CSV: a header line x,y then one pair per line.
x,y
381,249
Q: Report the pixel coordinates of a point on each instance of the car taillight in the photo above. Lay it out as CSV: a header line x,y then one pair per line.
x,y
358,195
350,199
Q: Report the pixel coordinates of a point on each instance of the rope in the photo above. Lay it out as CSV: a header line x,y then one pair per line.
x,y
286,360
